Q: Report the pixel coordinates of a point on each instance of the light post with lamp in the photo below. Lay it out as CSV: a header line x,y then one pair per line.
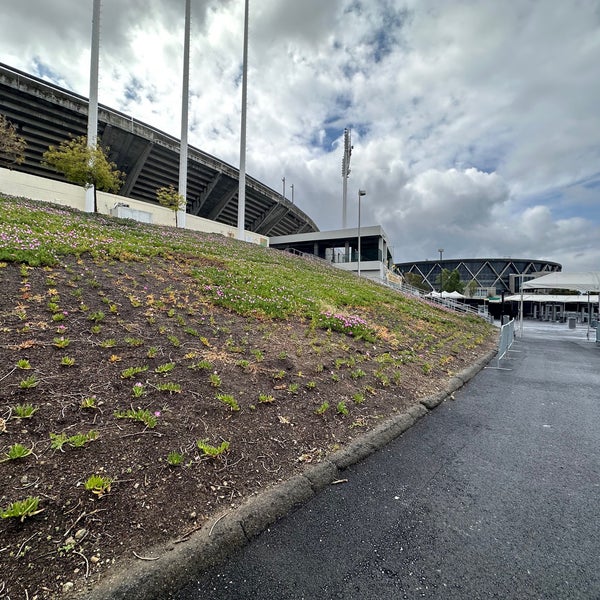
x,y
441,251
360,193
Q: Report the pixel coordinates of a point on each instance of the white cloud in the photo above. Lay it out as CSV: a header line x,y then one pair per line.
x,y
475,125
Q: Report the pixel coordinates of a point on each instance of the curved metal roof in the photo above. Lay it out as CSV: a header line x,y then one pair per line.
x,y
46,114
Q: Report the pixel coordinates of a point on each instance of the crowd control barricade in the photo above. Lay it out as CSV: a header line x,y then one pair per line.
x,y
507,337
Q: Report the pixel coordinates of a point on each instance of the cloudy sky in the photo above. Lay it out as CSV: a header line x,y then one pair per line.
x,y
475,124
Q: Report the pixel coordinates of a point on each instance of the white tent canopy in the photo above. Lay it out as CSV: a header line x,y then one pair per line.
x,y
588,281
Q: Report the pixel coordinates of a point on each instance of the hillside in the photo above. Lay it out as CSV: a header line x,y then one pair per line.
x,y
152,377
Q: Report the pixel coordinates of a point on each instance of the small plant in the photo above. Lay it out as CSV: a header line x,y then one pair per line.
x,y
258,355
201,365
341,408
114,358
96,329
165,369
134,342
61,342
89,402
358,397
279,374
229,400
58,440
174,459
57,317
152,352
98,485
24,411
322,409
24,364
96,316
67,361
81,439
110,343
214,379
335,377
282,355
266,398
212,451
311,385
17,451
138,390
293,388
357,374
174,340
143,415
132,372
21,509
28,382
169,386
243,363
427,368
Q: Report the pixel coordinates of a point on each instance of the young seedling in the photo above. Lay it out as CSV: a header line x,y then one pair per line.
x,y
143,415
28,382
24,364
89,402
322,409
169,386
98,485
110,343
212,451
67,361
132,371
17,451
229,400
24,411
341,408
96,316
138,390
266,398
204,365
214,379
165,369
174,459
61,342
21,509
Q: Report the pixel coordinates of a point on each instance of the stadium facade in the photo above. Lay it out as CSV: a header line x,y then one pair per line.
x,y
45,114
491,275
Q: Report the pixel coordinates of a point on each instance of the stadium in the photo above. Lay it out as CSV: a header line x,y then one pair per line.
x,y
492,276
45,114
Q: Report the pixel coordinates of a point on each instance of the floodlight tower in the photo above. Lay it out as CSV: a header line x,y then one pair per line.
x,y
345,173
185,94
92,125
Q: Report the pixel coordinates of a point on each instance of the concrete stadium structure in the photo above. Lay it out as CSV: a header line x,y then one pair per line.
x,y
492,275
46,114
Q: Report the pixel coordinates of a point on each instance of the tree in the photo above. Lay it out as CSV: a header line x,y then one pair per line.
x,y
472,288
170,198
12,145
416,281
84,165
450,281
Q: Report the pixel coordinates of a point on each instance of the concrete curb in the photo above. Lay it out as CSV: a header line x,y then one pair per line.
x,y
171,566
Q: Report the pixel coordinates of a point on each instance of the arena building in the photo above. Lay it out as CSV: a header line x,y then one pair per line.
x,y
492,276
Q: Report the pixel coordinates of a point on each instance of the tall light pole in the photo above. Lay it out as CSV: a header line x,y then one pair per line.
x,y
242,177
441,251
292,187
283,182
183,146
92,126
345,173
360,194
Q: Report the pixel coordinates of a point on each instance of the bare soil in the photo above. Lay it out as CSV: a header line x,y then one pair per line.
x,y
281,374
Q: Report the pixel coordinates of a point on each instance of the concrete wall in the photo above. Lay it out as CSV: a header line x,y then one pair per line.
x,y
14,183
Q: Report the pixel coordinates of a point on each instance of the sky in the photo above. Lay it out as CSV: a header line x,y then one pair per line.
x,y
475,123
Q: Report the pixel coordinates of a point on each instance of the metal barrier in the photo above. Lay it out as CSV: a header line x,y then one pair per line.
x,y
507,337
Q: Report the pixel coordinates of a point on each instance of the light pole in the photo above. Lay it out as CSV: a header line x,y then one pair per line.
x,y
292,187
441,251
360,193
283,181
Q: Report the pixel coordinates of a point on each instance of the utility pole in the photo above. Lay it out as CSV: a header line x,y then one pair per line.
x,y
92,128
345,174
242,176
183,146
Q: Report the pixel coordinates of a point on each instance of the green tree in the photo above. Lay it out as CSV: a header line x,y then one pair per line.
x,y
471,288
416,281
12,145
170,198
84,165
450,281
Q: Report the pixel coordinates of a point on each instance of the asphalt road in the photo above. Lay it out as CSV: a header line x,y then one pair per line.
x,y
493,495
